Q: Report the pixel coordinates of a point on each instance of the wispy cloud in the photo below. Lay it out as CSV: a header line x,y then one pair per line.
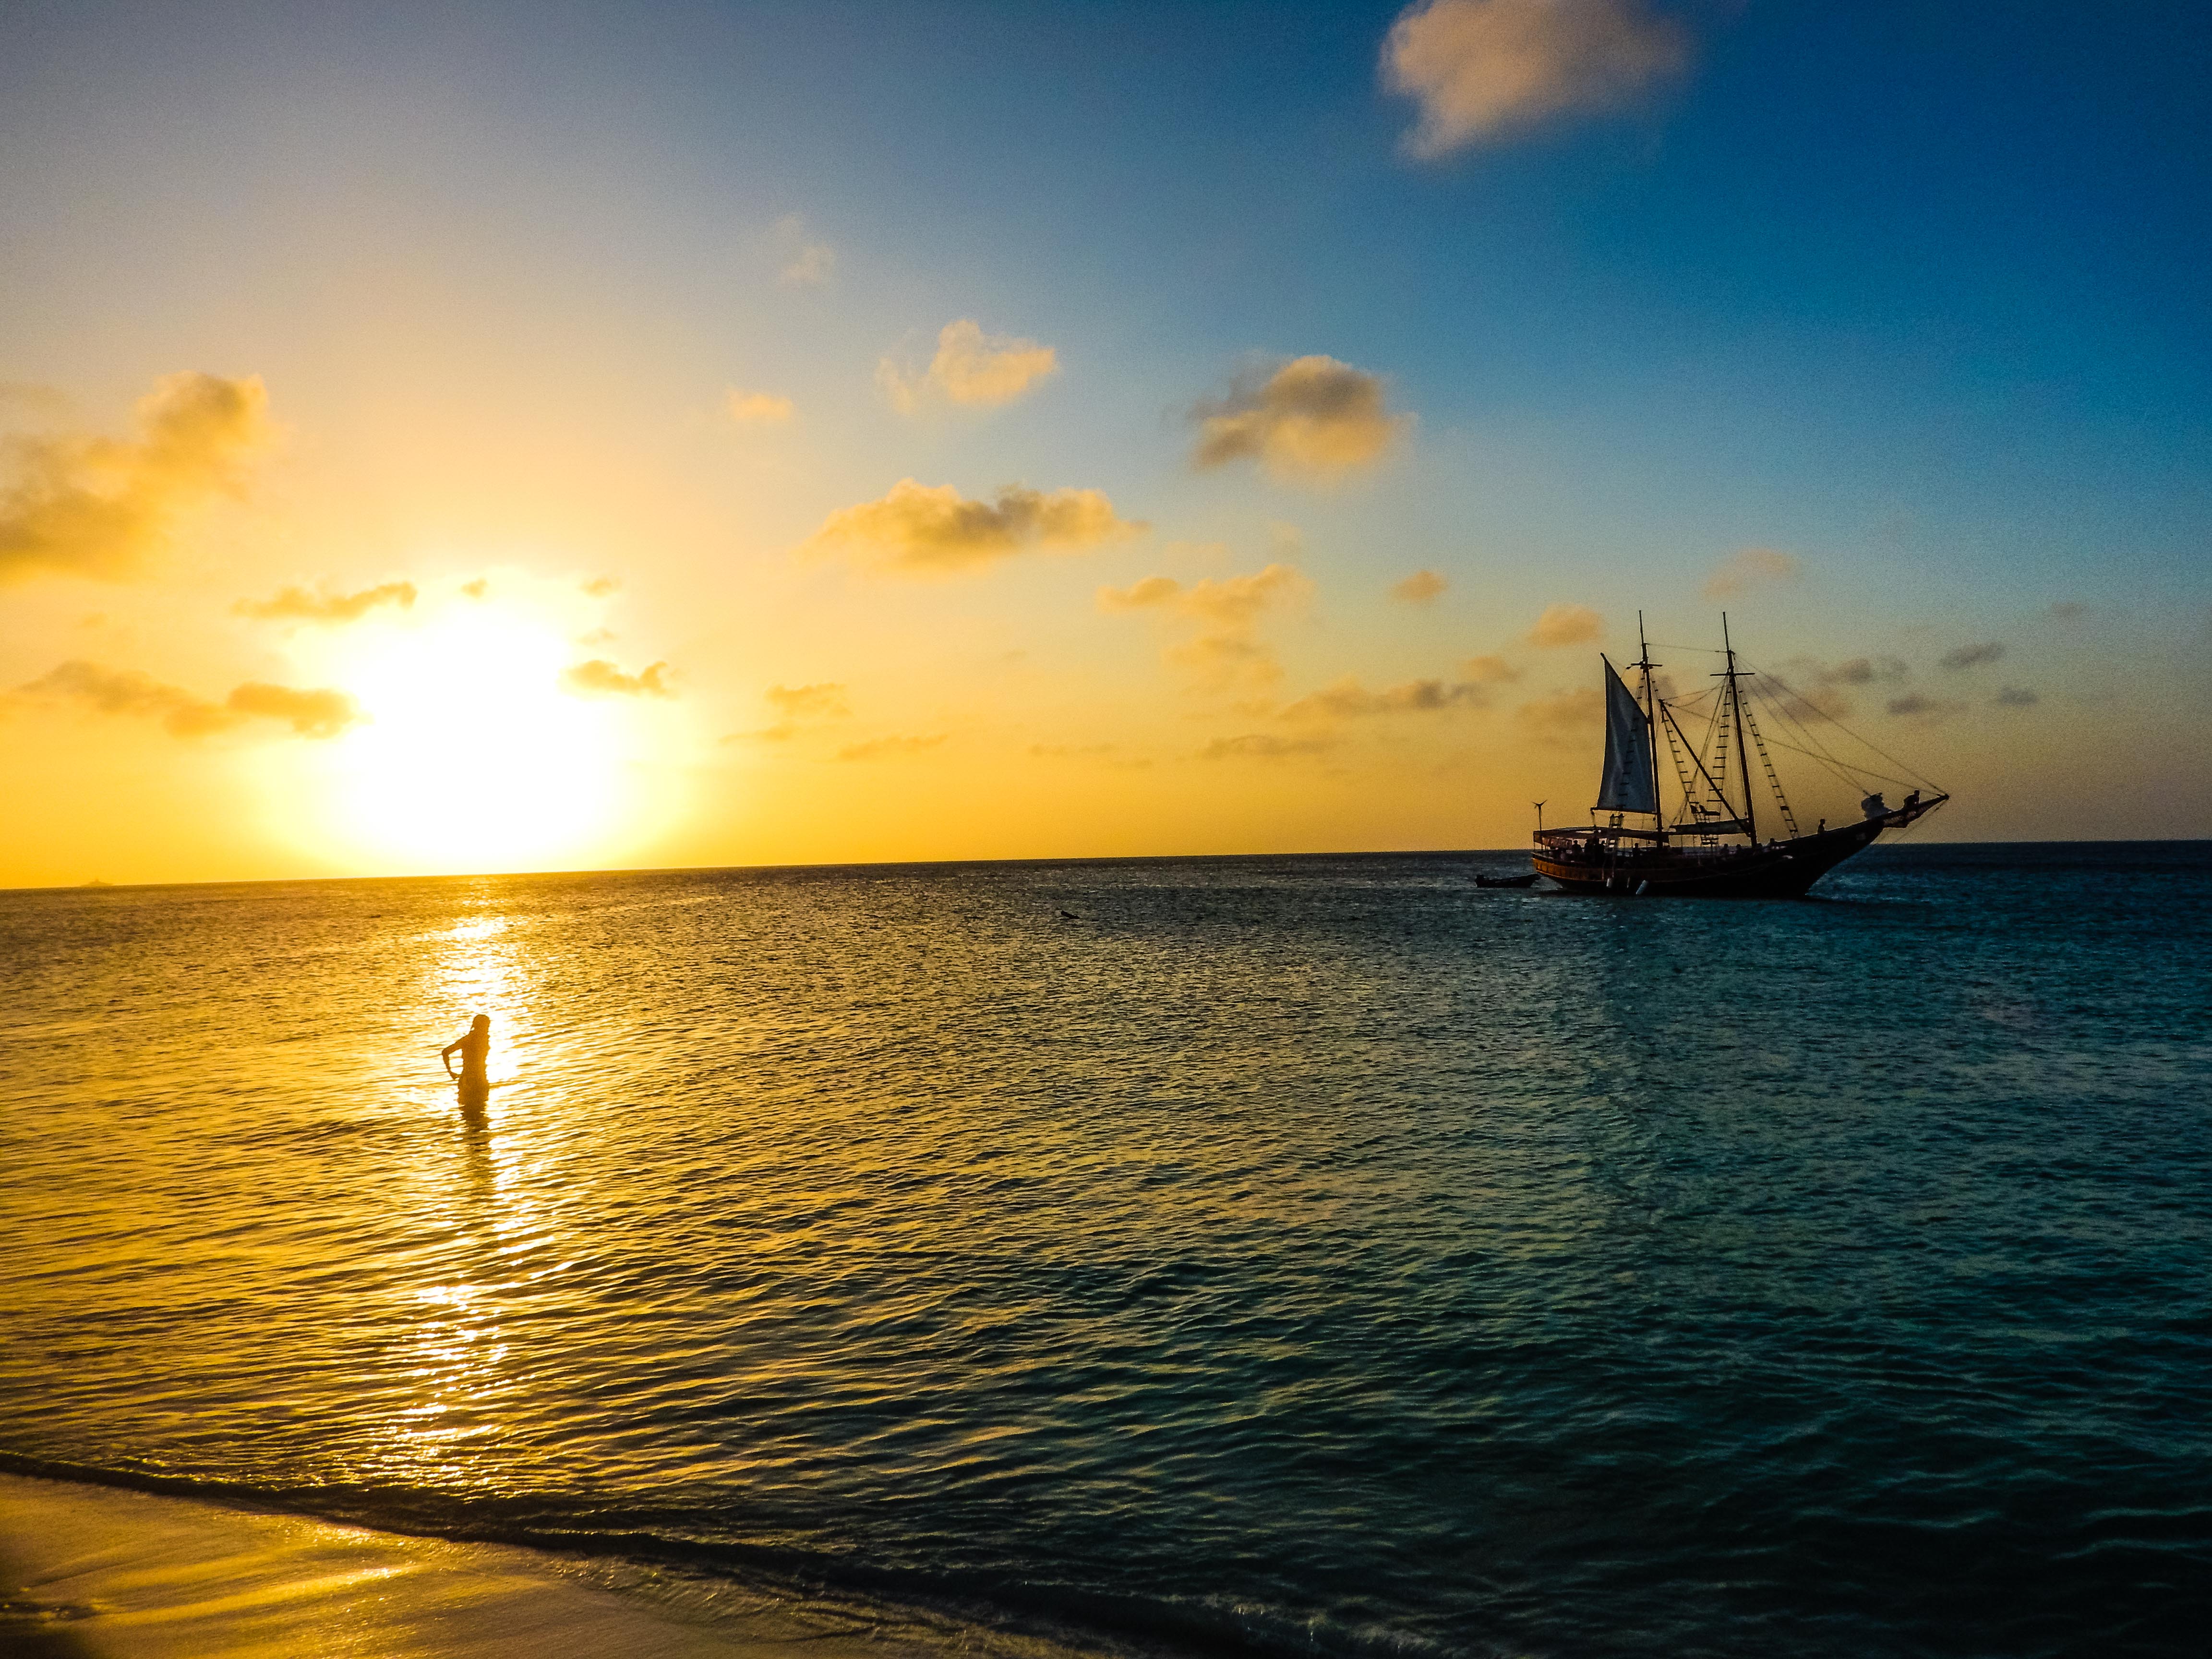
x,y
1227,650
1750,568
82,505
1266,746
1567,624
1348,699
1564,715
805,261
920,530
1422,587
318,713
1820,686
797,707
891,748
1313,419
1972,656
971,368
1914,705
2015,697
1862,670
1485,71
601,678
758,408
1100,754
297,605
825,701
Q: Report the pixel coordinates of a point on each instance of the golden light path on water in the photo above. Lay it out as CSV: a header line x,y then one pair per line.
x,y
458,1352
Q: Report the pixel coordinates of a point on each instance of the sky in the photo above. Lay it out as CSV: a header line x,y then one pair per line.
x,y
476,438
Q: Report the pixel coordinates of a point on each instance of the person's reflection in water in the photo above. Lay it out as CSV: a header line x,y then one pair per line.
x,y
476,1148
474,1083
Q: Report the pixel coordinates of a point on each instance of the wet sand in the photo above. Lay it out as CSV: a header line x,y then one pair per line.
x,y
91,1572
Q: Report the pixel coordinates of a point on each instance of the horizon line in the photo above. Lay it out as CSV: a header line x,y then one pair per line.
x,y
97,886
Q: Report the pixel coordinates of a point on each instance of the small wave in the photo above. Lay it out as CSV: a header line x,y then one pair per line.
x,y
959,1607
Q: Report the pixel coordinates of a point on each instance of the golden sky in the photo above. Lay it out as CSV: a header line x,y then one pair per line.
x,y
466,448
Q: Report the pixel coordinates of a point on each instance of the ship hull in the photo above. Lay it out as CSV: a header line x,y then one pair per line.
x,y
1777,870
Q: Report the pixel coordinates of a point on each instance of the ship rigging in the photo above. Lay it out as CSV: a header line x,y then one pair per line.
x,y
1711,847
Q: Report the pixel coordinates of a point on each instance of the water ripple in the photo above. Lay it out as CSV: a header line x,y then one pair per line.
x,y
1296,1256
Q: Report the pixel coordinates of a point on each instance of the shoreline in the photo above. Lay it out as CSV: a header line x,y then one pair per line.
x,y
110,1572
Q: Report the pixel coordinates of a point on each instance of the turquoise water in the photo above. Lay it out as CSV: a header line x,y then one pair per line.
x,y
1275,1255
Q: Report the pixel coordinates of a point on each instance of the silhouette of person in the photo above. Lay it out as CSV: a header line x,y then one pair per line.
x,y
476,1054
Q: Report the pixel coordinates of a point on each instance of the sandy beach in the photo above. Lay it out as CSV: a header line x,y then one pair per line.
x,y
93,1572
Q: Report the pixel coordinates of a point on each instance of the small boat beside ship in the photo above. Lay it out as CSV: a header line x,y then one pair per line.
x,y
1528,880
1712,845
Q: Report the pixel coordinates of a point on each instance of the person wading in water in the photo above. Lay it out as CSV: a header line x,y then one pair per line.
x,y
476,1054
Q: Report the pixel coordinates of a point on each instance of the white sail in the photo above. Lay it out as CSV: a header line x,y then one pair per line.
x,y
1626,783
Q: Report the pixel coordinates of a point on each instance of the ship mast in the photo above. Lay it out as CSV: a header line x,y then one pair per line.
x,y
1651,725
1735,706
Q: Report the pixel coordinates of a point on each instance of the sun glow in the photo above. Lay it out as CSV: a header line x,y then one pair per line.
x,y
472,755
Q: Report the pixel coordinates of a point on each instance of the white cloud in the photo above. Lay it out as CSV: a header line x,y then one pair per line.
x,y
1264,746
971,368
758,408
891,748
97,507
297,605
1567,625
1227,650
1313,418
920,530
1972,656
1485,70
1422,587
823,700
1348,699
1750,568
601,678
1566,715
804,261
317,713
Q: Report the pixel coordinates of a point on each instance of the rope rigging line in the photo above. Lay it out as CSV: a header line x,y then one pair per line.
x,y
1674,753
1689,806
1924,780
1773,781
1851,772
1855,783
1714,743
1841,768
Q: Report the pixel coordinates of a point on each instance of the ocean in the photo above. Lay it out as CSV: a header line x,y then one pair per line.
x,y
1272,1256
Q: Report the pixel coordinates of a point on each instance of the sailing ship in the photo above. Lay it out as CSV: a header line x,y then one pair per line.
x,y
1711,846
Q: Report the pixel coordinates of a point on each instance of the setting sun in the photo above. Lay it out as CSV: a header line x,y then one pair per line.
x,y
477,749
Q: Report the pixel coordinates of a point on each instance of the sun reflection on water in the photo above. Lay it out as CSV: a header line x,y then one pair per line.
x,y
471,1191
